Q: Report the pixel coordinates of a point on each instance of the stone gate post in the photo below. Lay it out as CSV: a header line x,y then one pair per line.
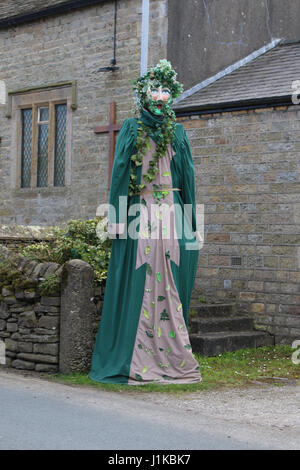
x,y
77,313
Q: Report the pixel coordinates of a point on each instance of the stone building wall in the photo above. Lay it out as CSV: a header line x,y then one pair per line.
x,y
247,176
71,47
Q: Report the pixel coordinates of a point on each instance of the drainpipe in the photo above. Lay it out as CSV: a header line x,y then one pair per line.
x,y
145,37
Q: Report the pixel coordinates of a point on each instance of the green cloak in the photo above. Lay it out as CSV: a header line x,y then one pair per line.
x,y
124,289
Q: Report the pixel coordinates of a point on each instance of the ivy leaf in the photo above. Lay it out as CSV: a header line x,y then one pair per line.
x,y
188,346
160,298
139,377
167,254
150,335
147,250
158,277
168,350
159,331
148,352
146,314
140,346
144,369
148,269
172,334
182,363
179,307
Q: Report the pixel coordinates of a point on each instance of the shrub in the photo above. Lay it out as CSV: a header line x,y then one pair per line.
x,y
78,240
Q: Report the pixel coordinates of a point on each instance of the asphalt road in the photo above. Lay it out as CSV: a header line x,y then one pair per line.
x,y
37,414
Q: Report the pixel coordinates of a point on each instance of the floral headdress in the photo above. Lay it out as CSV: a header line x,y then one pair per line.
x,y
163,74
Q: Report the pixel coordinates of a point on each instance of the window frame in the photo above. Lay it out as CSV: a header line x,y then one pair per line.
x,y
36,99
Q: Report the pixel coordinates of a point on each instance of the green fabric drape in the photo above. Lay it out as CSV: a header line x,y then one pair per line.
x,y
125,285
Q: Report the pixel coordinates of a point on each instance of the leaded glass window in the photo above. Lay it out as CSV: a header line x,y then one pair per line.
x,y
60,144
44,145
42,154
26,147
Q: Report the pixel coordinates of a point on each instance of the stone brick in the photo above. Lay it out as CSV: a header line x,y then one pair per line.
x,y
257,308
247,296
28,319
43,348
48,322
19,364
11,345
44,358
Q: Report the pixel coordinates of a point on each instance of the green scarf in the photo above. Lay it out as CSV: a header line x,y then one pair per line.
x,y
154,123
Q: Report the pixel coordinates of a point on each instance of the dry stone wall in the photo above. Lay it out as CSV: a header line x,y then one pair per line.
x,y
49,333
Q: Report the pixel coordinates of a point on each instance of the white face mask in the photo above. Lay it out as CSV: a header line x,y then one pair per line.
x,y
158,98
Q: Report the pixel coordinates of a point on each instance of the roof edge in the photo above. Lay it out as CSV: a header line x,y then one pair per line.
x,y
284,100
50,11
208,81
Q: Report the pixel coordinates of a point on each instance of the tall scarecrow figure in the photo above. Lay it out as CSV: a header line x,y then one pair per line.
x,y
143,336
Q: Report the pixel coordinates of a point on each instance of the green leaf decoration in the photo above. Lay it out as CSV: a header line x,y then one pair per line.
x,y
163,366
180,326
140,346
168,287
148,269
144,369
167,377
168,350
179,307
197,368
182,363
147,250
158,277
164,315
160,298
139,377
145,234
146,314
150,335
158,215
148,352
161,349
153,304
166,173
188,346
148,290
172,334
159,332
167,254
143,202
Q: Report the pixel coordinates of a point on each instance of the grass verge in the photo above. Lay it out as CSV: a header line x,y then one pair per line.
x,y
231,369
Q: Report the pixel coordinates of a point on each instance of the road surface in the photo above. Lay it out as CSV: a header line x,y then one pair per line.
x,y
39,414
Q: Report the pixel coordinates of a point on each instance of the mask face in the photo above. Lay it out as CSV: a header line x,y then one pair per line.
x,y
158,99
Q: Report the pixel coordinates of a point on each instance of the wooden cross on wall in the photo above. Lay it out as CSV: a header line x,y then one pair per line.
x,y
112,128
